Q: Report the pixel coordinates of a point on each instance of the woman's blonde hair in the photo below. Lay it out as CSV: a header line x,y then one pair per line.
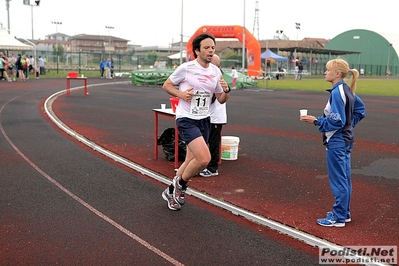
x,y
343,67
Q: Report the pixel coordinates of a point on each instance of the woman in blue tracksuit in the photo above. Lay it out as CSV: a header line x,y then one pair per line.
x,y
343,111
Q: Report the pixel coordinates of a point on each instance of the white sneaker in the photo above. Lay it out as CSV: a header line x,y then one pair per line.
x,y
172,204
179,191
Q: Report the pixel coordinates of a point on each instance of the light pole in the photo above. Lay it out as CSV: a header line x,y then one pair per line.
x,y
56,39
181,34
243,43
8,15
109,43
80,50
389,51
27,2
298,27
279,32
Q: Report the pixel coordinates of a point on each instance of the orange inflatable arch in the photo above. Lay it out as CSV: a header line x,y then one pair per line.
x,y
251,44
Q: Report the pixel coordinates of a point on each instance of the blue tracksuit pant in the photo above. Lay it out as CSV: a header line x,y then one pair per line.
x,y
339,175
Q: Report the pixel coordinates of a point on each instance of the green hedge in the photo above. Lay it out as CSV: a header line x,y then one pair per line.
x,y
158,77
150,77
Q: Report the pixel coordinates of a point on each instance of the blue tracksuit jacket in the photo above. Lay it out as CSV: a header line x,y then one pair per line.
x,y
342,112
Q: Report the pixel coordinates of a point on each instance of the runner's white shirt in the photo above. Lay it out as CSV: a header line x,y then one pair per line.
x,y
204,81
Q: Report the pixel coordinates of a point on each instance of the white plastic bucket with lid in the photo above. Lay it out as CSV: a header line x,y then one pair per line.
x,y
230,147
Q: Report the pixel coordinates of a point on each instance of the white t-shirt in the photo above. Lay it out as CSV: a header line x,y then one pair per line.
x,y
234,73
204,81
2,63
218,113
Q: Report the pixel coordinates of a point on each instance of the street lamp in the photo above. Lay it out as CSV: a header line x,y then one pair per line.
x,y
56,39
8,15
389,51
181,34
109,43
27,2
298,27
243,42
279,32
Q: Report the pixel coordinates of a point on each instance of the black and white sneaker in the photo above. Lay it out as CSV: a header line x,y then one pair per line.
x,y
207,173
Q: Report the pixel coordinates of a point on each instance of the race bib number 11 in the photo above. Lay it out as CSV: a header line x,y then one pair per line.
x,y
200,103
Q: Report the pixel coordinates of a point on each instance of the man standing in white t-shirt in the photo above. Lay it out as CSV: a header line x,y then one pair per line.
x,y
31,64
41,66
218,116
198,80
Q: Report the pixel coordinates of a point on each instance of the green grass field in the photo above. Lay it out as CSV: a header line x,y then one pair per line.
x,y
378,86
371,86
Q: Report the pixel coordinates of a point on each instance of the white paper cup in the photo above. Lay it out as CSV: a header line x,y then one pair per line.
x,y
303,112
163,106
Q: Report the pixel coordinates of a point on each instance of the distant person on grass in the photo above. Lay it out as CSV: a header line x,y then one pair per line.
x,y
112,65
107,68
234,75
19,66
41,65
343,111
102,67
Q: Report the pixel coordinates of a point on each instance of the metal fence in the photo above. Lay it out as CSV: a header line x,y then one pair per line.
x,y
124,62
128,62
86,60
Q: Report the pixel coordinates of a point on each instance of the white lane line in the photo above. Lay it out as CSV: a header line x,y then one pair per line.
x,y
82,202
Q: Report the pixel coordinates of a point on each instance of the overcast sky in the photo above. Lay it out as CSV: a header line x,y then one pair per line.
x,y
158,22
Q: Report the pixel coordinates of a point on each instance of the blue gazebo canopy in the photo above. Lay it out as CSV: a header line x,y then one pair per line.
x,y
270,55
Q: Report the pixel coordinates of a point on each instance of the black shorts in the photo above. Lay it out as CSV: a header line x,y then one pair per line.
x,y
190,129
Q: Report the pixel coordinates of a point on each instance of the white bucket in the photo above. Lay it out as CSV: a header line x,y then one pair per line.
x,y
230,147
